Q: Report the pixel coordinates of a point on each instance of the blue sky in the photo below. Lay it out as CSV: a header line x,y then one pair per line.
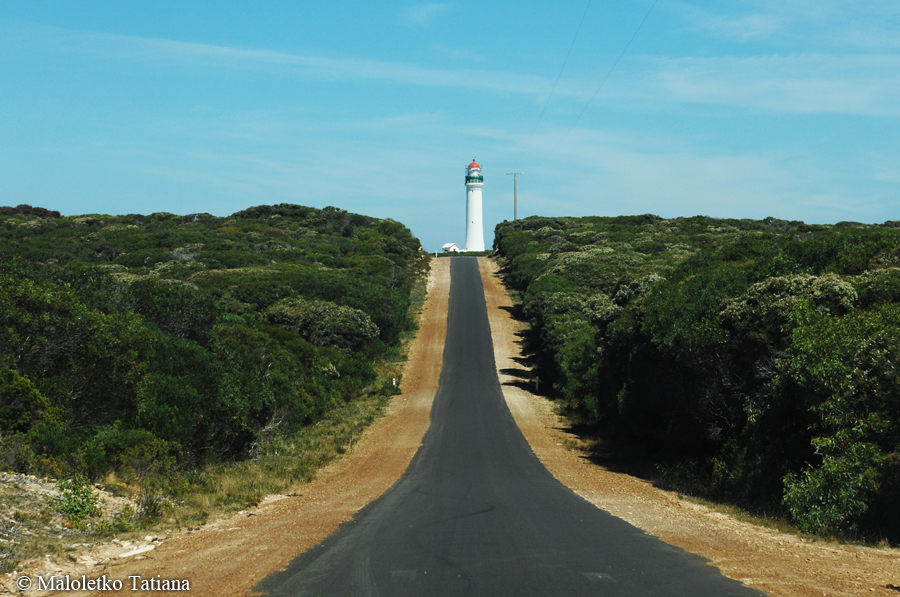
x,y
747,109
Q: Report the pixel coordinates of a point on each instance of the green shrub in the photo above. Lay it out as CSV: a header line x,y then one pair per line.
x,y
754,360
78,498
324,323
142,345
21,404
833,496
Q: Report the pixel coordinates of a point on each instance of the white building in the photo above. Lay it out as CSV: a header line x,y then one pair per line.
x,y
451,248
474,223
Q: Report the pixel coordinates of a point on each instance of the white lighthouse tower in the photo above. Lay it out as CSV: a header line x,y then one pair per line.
x,y
474,225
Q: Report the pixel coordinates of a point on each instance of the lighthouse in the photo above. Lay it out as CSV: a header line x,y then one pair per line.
x,y
474,226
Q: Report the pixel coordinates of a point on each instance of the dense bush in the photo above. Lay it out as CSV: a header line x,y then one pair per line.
x,y
21,405
142,344
325,324
752,361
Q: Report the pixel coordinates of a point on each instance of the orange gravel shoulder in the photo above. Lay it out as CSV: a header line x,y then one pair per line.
x,y
779,564
230,556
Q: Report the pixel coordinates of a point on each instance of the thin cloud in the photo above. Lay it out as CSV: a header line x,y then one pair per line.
x,y
835,25
423,14
795,84
113,47
457,53
644,179
885,168
742,27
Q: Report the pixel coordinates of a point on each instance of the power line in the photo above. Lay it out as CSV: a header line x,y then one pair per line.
x,y
558,75
601,82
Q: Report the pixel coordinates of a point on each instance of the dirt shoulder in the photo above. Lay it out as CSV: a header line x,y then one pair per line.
x,y
779,564
231,555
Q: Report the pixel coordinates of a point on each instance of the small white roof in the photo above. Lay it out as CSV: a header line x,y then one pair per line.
x,y
451,247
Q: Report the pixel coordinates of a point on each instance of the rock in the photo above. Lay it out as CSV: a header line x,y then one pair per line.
x,y
137,551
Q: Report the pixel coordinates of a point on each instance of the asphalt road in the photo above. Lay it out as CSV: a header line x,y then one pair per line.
x,y
476,513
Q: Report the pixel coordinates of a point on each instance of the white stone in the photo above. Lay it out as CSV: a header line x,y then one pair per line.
x,y
137,551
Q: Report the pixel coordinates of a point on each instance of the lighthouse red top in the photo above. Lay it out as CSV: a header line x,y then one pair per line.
x,y
474,164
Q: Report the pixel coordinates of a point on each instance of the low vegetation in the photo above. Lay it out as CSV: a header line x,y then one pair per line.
x,y
195,362
752,362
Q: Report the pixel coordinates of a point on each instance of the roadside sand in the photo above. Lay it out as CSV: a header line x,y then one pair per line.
x,y
779,564
231,555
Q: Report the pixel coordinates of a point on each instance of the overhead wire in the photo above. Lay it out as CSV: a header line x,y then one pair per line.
x,y
600,86
558,75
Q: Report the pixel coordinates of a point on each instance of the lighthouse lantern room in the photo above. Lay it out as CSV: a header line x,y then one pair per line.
x,y
474,224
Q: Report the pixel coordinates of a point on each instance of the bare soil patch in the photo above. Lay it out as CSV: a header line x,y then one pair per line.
x,y
779,564
231,555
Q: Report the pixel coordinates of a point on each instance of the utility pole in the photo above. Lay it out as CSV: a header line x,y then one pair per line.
x,y
515,176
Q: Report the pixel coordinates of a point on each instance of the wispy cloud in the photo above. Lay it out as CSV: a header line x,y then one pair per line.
x,y
457,53
819,57
112,47
798,83
886,168
663,176
828,24
866,84
741,27
423,14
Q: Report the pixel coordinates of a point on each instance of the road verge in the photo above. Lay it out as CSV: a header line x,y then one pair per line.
x,y
779,564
